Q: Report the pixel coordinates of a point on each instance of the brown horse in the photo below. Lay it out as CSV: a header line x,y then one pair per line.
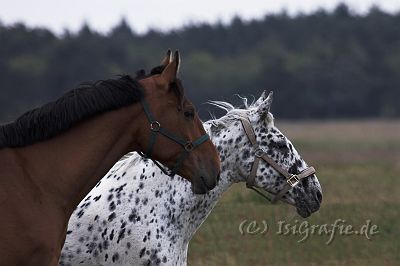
x,y
51,157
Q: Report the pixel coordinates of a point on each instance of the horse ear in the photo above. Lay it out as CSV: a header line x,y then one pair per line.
x,y
265,104
167,59
171,70
262,98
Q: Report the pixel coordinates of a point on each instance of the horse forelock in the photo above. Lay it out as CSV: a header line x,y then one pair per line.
x,y
234,113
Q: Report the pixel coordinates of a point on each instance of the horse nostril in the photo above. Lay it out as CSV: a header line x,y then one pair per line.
x,y
319,196
219,176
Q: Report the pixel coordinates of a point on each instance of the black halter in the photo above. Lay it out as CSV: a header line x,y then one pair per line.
x,y
156,128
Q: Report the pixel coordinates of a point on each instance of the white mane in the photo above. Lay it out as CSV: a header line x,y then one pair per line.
x,y
233,113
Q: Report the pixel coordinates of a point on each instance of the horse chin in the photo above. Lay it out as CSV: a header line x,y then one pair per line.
x,y
199,186
303,212
199,190
202,185
305,209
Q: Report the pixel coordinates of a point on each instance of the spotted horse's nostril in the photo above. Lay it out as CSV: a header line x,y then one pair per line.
x,y
319,196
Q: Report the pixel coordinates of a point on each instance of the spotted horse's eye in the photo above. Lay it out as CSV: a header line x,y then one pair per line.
x,y
281,144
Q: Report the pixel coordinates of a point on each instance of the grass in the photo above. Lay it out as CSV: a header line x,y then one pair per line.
x,y
358,165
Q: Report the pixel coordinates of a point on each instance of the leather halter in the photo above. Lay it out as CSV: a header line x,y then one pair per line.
x,y
291,179
156,128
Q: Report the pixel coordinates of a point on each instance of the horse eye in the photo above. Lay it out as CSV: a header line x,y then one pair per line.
x,y
281,144
189,113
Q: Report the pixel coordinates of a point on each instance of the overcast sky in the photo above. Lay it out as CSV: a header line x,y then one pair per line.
x,y
102,15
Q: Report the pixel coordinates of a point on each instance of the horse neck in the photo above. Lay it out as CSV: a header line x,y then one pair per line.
x,y
67,166
231,143
198,207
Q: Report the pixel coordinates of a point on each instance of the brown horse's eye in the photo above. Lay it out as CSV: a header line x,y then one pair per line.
x,y
189,114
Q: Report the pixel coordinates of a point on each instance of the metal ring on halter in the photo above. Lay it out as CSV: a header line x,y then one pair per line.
x,y
189,146
259,152
155,126
293,180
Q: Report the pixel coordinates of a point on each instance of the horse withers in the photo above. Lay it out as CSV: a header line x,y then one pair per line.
x,y
52,156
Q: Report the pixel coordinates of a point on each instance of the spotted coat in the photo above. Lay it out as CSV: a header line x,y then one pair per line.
x,y
138,216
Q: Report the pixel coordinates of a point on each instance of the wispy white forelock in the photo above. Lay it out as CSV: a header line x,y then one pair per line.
x,y
234,113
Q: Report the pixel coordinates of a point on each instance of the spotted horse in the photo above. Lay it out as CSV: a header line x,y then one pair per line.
x,y
133,218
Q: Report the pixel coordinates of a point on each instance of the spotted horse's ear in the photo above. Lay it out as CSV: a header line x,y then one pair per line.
x,y
262,98
264,105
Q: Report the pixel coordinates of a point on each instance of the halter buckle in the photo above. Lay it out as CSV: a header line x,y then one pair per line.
x,y
293,180
155,126
189,146
259,152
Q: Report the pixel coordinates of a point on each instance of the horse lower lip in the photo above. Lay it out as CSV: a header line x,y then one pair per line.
x,y
304,212
200,190
204,183
200,187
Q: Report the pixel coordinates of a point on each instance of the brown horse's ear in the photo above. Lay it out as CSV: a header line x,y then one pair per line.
x,y
167,59
171,70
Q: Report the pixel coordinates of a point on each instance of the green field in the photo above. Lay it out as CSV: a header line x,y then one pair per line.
x,y
358,166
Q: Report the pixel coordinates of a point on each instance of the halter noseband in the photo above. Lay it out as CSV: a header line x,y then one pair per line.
x,y
291,179
155,128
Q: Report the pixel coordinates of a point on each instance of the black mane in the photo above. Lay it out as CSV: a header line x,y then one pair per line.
x,y
87,100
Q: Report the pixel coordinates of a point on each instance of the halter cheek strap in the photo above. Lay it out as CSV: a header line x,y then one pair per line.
x,y
291,179
155,129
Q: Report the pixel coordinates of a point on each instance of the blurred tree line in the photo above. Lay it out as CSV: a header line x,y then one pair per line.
x,y
323,65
